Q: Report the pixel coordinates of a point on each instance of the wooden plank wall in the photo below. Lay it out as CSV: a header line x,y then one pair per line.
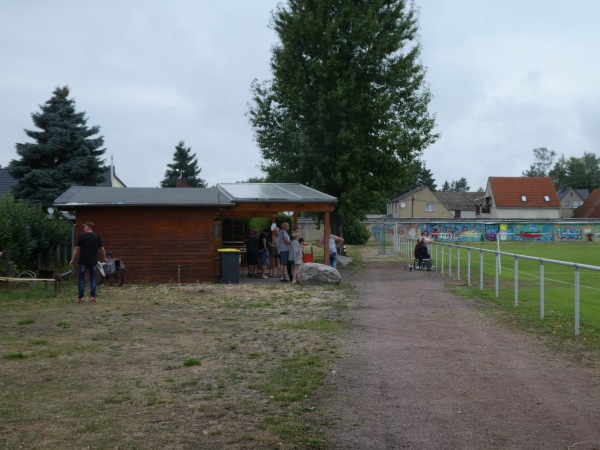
x,y
156,242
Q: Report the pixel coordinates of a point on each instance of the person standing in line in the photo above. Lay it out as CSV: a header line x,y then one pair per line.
x,y
252,253
87,247
263,252
284,249
334,242
275,247
296,258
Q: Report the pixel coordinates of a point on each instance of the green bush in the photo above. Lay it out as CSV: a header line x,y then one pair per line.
x,y
356,233
28,238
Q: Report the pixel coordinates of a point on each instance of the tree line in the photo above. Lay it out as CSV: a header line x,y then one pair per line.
x,y
574,172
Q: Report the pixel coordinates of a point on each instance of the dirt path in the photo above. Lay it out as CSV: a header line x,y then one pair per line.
x,y
423,369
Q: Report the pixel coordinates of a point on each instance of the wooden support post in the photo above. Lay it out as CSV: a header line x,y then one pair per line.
x,y
326,239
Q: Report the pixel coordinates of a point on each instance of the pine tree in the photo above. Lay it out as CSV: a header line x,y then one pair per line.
x,y
184,167
425,177
64,153
346,111
461,185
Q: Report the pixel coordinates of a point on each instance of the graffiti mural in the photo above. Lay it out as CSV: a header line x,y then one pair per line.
x,y
568,233
466,232
533,232
481,231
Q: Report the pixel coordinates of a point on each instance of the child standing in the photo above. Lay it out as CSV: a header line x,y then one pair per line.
x,y
296,256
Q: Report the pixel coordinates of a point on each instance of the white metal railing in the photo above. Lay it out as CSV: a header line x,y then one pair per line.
x,y
438,252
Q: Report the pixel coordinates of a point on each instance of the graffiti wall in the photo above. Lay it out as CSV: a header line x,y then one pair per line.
x,y
477,231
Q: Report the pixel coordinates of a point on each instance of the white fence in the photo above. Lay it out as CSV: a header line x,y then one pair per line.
x,y
442,254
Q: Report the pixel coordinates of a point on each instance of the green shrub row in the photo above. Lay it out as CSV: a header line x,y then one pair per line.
x,y
30,239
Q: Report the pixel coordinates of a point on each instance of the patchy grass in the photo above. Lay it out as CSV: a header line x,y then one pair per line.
x,y
201,366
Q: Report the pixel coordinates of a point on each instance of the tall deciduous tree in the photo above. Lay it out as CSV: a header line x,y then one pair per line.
x,y
347,109
542,164
64,154
184,167
578,173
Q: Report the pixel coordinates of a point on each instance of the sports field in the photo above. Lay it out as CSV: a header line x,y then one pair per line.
x,y
559,279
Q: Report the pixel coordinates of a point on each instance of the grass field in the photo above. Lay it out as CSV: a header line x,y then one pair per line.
x,y
559,281
167,367
203,366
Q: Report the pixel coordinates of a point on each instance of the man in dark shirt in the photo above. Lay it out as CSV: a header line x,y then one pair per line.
x,y
87,246
252,253
263,252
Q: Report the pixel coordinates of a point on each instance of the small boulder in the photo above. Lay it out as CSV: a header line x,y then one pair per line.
x,y
343,260
318,274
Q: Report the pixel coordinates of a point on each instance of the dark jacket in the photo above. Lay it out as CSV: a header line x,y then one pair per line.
x,y
423,253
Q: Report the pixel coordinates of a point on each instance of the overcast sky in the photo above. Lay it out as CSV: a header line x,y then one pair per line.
x,y
507,77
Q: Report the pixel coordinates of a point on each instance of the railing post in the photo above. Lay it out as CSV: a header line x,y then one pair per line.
x,y
576,300
449,260
497,274
469,266
443,258
516,280
458,263
481,270
541,288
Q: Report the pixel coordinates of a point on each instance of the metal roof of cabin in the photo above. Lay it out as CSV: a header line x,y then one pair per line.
x,y
97,196
222,195
274,192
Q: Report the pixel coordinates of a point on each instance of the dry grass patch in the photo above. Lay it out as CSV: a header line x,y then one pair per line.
x,y
202,366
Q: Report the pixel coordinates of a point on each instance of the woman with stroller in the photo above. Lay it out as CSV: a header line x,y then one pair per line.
x,y
422,254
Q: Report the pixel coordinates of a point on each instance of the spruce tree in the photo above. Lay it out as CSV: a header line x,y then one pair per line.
x,y
184,167
64,154
346,110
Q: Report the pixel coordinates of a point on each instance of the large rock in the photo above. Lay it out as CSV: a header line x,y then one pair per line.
x,y
318,274
343,260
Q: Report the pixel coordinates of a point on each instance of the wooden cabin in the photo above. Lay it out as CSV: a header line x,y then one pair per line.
x,y
172,235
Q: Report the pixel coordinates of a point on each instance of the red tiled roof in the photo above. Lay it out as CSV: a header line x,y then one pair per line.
x,y
590,208
507,192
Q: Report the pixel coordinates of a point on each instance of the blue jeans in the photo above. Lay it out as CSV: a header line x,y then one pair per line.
x,y
92,271
264,256
333,259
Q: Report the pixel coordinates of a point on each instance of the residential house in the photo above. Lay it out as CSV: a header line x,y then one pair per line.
x,y
462,205
6,181
591,208
423,203
110,179
519,198
420,203
571,199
